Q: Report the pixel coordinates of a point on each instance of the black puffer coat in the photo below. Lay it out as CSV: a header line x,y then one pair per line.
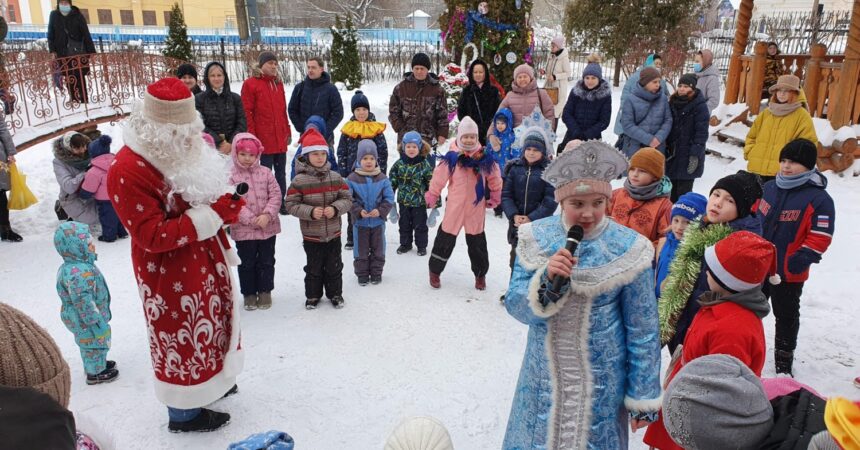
x,y
479,103
316,98
223,114
685,146
526,193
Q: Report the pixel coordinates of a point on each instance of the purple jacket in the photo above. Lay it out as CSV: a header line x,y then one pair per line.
x,y
95,181
263,197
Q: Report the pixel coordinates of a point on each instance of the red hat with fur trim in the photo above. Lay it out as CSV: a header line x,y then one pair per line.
x,y
313,141
742,261
169,101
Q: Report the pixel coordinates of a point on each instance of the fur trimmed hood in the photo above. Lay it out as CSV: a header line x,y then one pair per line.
x,y
600,92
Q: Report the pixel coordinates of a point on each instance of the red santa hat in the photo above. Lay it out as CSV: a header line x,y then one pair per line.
x,y
313,141
169,101
742,261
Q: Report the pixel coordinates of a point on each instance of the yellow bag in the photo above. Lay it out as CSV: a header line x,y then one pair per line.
x,y
20,196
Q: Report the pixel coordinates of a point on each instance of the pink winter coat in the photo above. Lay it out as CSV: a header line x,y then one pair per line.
x,y
263,197
522,101
95,180
460,208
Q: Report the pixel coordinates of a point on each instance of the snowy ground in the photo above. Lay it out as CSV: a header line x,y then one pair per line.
x,y
345,379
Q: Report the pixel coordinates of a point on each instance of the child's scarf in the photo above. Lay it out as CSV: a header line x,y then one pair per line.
x,y
481,162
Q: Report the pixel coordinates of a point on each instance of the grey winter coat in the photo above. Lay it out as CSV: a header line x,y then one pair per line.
x,y
709,84
7,149
645,115
70,179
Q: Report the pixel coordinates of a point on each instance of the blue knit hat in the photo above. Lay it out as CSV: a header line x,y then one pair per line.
x,y
535,140
690,206
365,147
593,67
100,146
359,100
412,137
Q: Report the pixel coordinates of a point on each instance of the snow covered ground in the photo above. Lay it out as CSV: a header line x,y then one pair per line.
x,y
337,379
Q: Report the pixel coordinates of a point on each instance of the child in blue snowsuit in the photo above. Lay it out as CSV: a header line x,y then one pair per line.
x,y
689,208
317,123
372,200
85,300
501,143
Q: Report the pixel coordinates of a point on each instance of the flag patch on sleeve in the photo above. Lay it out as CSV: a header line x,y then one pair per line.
x,y
823,222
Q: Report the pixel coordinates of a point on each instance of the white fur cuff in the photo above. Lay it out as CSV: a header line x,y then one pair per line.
x,y
206,221
646,405
537,308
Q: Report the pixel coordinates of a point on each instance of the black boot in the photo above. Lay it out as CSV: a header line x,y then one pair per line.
x,y
207,420
7,235
784,360
105,376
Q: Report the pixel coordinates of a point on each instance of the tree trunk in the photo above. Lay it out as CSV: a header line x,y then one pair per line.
x,y
242,19
616,78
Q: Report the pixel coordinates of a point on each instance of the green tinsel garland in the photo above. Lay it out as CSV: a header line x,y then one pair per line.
x,y
683,273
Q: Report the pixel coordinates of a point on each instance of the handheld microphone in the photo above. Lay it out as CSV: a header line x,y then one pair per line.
x,y
242,189
574,235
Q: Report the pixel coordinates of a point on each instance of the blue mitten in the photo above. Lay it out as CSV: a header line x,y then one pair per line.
x,y
433,217
393,217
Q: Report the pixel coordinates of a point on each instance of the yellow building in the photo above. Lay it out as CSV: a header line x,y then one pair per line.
x,y
198,13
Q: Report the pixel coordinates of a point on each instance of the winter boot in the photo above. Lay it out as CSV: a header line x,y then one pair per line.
x,y
784,360
375,279
480,283
105,376
498,211
251,302
265,300
363,280
283,211
233,390
422,252
109,365
337,301
349,245
403,249
435,282
207,420
312,303
7,235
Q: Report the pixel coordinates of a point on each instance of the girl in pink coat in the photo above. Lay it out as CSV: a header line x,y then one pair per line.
x,y
474,184
95,185
258,223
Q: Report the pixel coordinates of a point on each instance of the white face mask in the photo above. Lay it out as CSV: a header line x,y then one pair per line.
x,y
65,9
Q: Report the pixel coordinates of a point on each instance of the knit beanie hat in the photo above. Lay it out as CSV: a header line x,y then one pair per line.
x,y
313,141
365,147
526,69
647,75
168,101
420,433
421,59
265,57
467,126
745,189
690,206
100,146
593,67
412,137
558,41
29,357
535,140
359,100
650,160
689,79
742,261
247,142
802,151
716,402
186,69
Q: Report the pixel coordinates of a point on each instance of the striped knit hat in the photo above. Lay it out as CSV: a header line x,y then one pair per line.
x,y
29,357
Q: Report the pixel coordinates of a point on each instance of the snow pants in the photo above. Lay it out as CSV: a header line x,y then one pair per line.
x,y
111,225
444,244
369,250
94,349
257,271
413,220
785,300
324,269
278,162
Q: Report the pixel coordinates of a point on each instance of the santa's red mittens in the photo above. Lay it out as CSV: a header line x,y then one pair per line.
x,y
228,209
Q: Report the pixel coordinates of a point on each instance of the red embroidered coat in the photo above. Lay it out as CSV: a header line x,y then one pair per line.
x,y
184,282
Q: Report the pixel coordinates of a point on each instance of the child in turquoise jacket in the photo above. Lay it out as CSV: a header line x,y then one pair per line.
x,y
85,300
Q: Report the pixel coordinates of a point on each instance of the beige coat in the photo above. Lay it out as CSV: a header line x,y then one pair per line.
x,y
559,67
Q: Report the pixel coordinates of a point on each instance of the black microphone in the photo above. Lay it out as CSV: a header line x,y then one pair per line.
x,y
242,189
574,235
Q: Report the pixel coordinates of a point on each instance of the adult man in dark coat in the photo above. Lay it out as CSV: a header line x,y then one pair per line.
x,y
316,96
418,104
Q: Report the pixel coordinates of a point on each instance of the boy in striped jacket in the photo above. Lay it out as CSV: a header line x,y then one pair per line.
x,y
798,216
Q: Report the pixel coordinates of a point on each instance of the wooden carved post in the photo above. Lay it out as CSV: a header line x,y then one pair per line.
x,y
847,88
755,84
742,33
813,75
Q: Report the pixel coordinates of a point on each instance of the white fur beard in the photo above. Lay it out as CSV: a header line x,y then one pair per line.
x,y
196,172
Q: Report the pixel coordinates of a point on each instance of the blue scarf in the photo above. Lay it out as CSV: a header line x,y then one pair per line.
x,y
667,254
482,166
793,181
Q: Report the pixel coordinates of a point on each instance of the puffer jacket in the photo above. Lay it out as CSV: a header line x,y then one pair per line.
x,y
644,116
95,181
522,101
770,133
70,171
709,84
524,192
265,106
317,187
316,98
223,114
627,91
369,193
420,106
263,197
410,179
686,142
559,67
587,111
479,103
7,149
351,134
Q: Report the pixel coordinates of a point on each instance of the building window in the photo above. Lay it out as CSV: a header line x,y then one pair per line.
x,y
105,17
167,18
149,18
126,16
86,14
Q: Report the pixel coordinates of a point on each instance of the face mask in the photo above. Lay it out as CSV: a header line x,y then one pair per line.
x,y
65,9
697,67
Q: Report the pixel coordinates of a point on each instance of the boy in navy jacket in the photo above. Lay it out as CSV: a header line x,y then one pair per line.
x,y
798,216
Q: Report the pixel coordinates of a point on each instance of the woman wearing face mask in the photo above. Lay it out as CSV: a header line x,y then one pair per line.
x,y
222,110
709,78
69,38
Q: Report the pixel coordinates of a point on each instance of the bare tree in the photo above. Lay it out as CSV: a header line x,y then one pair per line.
x,y
364,13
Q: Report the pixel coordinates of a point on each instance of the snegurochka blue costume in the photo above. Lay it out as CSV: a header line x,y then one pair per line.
x,y
592,363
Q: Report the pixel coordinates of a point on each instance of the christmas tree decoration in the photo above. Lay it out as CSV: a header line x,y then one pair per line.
x,y
453,79
177,44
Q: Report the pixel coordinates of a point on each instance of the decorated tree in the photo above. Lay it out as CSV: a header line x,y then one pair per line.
x,y
177,44
345,59
498,31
